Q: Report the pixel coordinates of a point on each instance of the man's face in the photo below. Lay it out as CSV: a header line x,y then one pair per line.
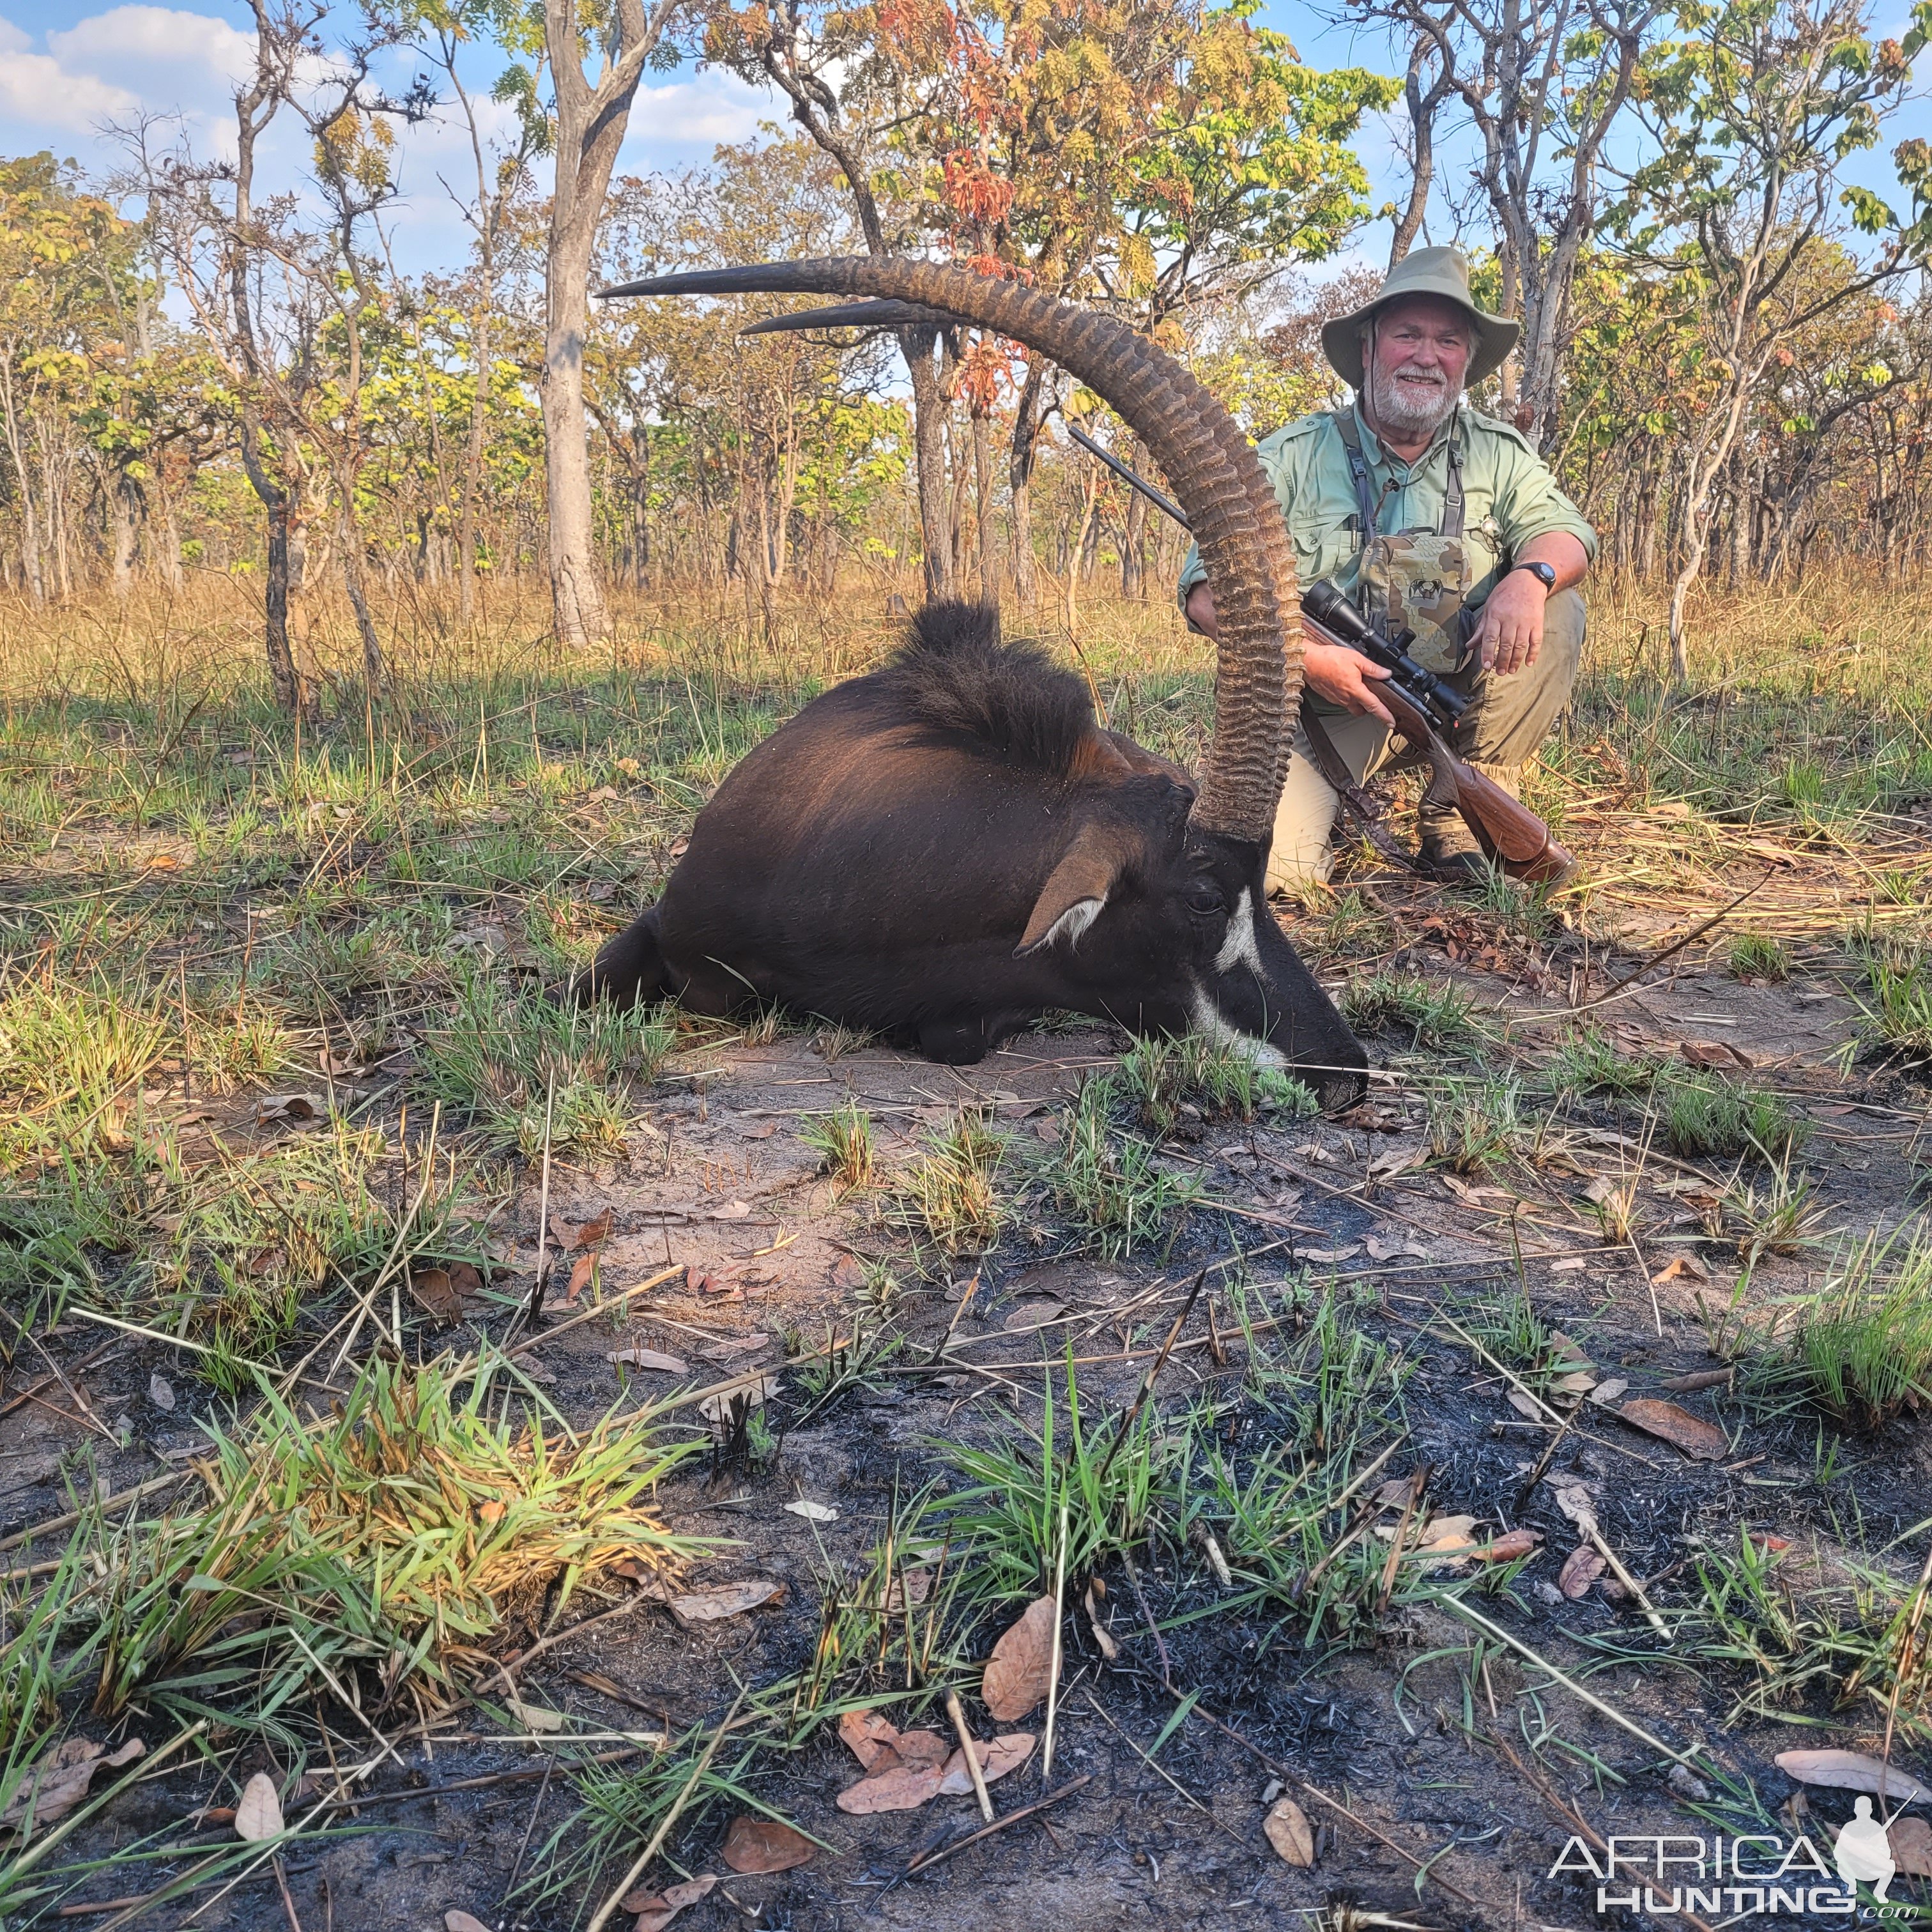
x,y
1420,353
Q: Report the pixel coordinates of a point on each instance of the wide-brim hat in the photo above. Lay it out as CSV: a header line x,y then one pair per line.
x,y
1428,272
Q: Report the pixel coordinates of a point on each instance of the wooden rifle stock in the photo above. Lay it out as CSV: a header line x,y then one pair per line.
x,y
1509,832
1512,835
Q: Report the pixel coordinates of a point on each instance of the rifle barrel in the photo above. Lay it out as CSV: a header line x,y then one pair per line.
x,y
1133,480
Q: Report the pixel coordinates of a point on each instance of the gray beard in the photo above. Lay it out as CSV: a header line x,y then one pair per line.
x,y
1394,410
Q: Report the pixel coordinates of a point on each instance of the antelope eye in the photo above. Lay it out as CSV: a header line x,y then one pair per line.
x,y
1206,900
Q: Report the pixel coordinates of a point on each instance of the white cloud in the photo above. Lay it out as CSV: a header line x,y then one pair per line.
x,y
12,40
712,108
36,92
143,44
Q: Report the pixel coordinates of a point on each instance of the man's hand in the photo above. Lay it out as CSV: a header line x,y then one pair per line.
x,y
1510,633
1344,677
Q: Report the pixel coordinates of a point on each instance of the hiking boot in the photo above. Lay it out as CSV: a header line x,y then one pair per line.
x,y
1453,849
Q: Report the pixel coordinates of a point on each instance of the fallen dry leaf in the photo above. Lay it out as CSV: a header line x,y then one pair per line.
x,y
466,1922
1912,1847
583,1272
1021,1662
732,1211
1104,1637
1508,1548
1572,1387
536,1717
812,1512
1031,1314
747,1396
1576,1502
725,1600
898,1786
1447,1532
1290,1833
1687,1265
1853,1771
763,1133
443,1290
1702,1440
1525,1405
764,1845
649,1358
1702,1379
160,1392
1582,1569
570,1236
1604,1393
656,1910
910,1587
63,1779
997,1755
259,1815
867,1735
1714,1053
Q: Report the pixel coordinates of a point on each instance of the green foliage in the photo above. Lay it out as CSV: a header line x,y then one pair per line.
x,y
1160,1074
1706,1116
1587,1063
1475,1127
843,1141
1432,1015
395,1534
521,1065
951,1188
1104,1179
1898,1009
1861,1347
1006,1525
1760,955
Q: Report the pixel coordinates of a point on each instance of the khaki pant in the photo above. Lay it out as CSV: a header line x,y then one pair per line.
x,y
1507,721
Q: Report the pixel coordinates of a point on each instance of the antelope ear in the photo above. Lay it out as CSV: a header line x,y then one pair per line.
x,y
1076,889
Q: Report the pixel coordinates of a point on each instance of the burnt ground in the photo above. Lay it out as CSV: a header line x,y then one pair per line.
x,y
1456,1776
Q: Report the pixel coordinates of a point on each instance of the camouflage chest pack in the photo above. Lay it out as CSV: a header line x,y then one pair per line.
x,y
1413,580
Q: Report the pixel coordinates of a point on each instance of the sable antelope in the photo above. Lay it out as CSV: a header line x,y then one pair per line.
x,y
945,849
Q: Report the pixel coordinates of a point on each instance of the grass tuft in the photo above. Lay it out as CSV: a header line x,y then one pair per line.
x,y
1432,1016
1707,1116
843,1141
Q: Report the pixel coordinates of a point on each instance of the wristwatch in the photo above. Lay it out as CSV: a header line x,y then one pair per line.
x,y
1545,573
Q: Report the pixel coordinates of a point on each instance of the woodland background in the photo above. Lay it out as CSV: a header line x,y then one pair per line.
x,y
207,373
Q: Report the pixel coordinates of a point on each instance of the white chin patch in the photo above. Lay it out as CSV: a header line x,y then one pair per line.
x,y
1240,947
1073,921
1208,1023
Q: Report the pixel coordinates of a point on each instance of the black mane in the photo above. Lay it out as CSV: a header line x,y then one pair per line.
x,y
953,673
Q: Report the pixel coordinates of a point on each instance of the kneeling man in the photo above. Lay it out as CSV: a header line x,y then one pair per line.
x,y
1433,519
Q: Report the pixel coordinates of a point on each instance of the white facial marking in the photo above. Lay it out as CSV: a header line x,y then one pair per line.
x,y
1073,921
1240,947
1207,1022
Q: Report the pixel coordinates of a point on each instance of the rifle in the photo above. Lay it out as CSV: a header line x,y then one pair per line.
x,y
1423,706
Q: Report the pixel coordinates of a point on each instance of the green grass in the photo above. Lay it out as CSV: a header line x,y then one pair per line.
x,y
1587,1064
396,1534
952,1190
1861,1347
521,1066
1897,1007
1107,1182
1759,956
1709,1117
843,1141
1475,1127
1161,1075
1432,1016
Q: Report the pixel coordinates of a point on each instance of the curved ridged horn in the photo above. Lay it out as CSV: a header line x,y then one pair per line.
x,y
1209,462
852,315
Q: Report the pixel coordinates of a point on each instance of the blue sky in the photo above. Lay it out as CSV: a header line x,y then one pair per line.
x,y
67,67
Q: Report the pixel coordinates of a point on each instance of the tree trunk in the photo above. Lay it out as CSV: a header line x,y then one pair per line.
x,y
982,481
472,464
590,125
124,511
1019,480
282,672
928,417
375,673
1133,542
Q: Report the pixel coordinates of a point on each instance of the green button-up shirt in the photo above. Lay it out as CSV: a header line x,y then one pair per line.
x,y
1509,497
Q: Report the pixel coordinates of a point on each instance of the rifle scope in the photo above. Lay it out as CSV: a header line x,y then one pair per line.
x,y
1332,610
